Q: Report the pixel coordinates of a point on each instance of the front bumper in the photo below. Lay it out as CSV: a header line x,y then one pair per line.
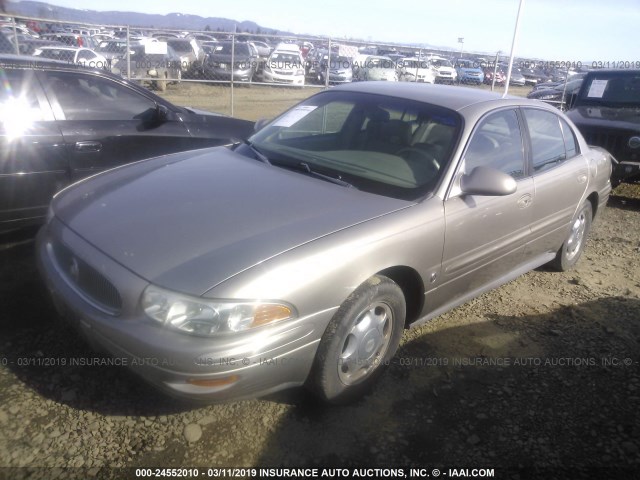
x,y
274,77
227,367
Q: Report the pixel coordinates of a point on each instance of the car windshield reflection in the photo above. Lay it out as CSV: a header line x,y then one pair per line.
x,y
383,145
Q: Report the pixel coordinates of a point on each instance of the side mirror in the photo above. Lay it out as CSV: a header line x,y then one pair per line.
x,y
260,124
153,118
487,181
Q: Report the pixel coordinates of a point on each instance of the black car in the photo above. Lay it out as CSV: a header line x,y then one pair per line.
x,y
217,64
60,123
561,95
534,77
606,111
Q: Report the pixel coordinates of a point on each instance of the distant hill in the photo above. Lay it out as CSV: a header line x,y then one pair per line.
x,y
176,21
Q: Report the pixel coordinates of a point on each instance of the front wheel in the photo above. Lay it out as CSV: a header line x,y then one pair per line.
x,y
573,246
359,342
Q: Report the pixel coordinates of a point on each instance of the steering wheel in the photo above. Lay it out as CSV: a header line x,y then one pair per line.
x,y
419,154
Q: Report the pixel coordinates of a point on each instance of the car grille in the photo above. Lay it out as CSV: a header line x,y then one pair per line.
x,y
613,143
283,72
87,281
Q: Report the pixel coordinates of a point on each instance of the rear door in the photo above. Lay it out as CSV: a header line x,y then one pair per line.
x,y
105,123
560,175
32,161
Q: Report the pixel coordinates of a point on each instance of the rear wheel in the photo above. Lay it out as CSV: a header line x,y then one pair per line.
x,y
573,246
359,342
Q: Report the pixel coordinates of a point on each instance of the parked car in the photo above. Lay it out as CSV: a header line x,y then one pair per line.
x,y
220,64
113,48
375,67
416,70
189,50
469,71
31,45
284,66
605,110
445,73
535,77
549,85
299,257
71,39
78,55
340,70
262,48
560,96
517,77
158,66
61,123
491,72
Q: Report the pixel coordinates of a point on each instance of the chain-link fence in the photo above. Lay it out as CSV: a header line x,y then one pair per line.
x,y
206,67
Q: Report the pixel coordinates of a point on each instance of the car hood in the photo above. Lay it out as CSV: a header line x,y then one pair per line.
x,y
191,220
621,118
224,58
203,124
471,71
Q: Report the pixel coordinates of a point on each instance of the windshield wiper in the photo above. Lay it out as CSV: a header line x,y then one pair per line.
x,y
338,181
260,156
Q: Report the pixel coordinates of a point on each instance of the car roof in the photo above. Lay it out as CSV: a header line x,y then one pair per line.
x,y
447,96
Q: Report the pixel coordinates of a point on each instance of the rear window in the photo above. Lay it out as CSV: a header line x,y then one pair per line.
x,y
612,89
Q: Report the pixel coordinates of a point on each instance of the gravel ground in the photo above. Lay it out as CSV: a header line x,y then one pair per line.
x,y
538,378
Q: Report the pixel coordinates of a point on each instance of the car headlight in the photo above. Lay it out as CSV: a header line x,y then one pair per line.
x,y
201,316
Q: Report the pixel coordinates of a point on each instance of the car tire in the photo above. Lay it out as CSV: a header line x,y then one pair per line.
x,y
359,342
573,246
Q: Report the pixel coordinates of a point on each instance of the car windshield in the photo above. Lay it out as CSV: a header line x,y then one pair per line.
x,y
180,46
224,48
384,145
611,89
339,61
380,62
441,63
112,47
285,60
413,64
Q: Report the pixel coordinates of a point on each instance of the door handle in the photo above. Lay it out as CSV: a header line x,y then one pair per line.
x,y
525,200
88,146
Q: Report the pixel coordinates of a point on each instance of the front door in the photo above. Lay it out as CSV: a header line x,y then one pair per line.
x,y
106,124
485,235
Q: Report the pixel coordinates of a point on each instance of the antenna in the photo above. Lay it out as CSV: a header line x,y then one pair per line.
x,y
513,48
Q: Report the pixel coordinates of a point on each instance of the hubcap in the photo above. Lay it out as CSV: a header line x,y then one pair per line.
x,y
576,236
366,344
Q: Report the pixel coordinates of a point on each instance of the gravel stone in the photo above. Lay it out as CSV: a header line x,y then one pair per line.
x,y
192,432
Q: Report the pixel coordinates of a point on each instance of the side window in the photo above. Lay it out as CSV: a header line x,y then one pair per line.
x,y
87,97
497,143
547,141
21,102
570,142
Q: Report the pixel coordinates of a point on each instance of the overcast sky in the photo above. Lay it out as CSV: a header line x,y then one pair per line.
x,y
569,30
